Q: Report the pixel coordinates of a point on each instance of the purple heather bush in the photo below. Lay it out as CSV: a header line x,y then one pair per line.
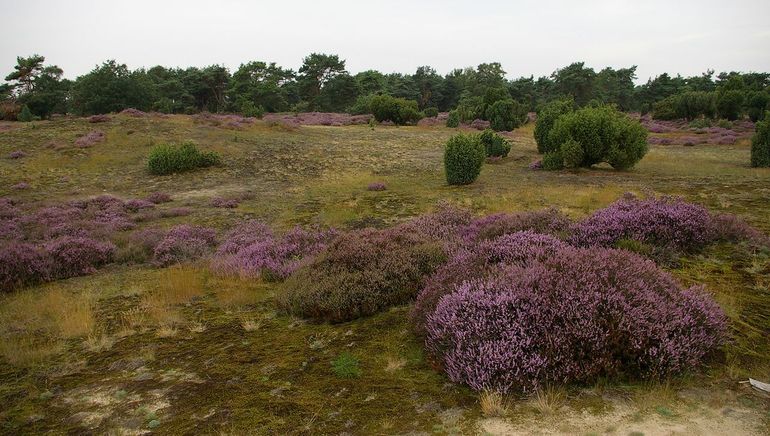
x,y
536,165
376,186
184,243
16,154
252,250
573,317
159,197
133,112
99,119
664,221
22,264
75,256
549,221
137,204
20,186
227,203
89,139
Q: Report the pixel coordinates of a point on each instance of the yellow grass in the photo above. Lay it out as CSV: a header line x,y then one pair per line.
x,y
492,404
178,285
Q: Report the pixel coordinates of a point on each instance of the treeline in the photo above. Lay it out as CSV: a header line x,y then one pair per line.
x,y
324,84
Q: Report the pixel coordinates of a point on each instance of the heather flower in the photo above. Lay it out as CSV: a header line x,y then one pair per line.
x,y
74,256
571,318
536,165
376,186
229,203
17,154
549,221
22,264
159,197
90,139
665,221
184,243
137,204
99,119
133,112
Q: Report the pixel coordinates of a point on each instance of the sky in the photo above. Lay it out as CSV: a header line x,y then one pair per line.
x,y
528,37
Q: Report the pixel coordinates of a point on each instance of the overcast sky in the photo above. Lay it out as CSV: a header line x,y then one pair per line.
x,y
528,37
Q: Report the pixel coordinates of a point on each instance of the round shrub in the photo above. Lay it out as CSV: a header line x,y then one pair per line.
x,y
361,273
506,115
571,154
574,317
494,144
604,134
546,117
453,120
168,158
463,157
431,112
760,143
75,256
396,110
665,221
729,104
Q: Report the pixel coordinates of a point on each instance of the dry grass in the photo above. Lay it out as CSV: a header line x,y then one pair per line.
x,y
178,285
98,341
166,331
196,327
235,292
250,324
394,363
548,400
493,404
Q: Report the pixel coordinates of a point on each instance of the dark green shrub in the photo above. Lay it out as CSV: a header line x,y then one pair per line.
x,y
397,110
169,158
470,108
665,109
700,123
572,154
546,116
687,105
760,143
506,115
463,157
758,103
453,120
724,124
729,104
362,105
25,115
431,112
494,144
552,161
604,134
249,109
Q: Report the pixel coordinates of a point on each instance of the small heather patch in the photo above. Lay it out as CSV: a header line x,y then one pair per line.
x,y
376,186
99,119
137,204
90,138
536,165
133,112
76,256
184,243
159,197
227,203
17,154
21,186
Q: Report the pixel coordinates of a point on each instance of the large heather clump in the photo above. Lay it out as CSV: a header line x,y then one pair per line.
x,y
571,317
22,264
76,256
184,243
479,261
549,221
361,273
664,221
252,250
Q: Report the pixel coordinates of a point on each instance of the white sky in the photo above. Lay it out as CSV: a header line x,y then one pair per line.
x,y
526,36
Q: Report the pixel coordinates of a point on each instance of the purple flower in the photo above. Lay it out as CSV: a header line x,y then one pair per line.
x,y
376,186
184,243
17,154
159,197
89,139
229,203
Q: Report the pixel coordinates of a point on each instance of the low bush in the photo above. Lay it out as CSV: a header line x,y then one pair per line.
x,y
453,120
184,243
603,134
22,264
546,117
396,110
168,158
463,157
494,144
361,273
760,143
75,256
572,317
547,221
376,186
665,221
506,115
25,115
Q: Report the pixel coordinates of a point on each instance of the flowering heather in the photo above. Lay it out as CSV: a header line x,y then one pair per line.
x,y
74,256
251,250
536,165
17,154
572,318
665,221
549,221
22,264
317,119
376,186
228,203
90,138
20,186
99,119
184,243
728,227
159,197
137,204
481,261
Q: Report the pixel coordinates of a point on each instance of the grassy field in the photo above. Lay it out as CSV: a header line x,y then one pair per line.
x,y
133,349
